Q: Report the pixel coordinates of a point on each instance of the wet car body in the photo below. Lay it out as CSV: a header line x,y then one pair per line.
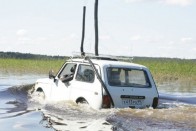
x,y
102,83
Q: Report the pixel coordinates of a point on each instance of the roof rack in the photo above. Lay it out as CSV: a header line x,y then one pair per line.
x,y
92,56
101,57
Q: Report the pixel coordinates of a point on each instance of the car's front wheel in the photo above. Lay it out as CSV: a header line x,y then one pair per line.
x,y
40,94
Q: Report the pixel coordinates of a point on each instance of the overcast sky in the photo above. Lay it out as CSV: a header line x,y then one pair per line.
x,y
151,28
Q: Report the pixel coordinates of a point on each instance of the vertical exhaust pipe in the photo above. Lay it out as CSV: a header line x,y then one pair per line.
x,y
83,32
96,27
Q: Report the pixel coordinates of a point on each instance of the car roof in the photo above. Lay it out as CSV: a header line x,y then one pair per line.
x,y
109,63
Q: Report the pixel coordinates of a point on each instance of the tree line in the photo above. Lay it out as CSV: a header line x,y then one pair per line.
x,y
17,55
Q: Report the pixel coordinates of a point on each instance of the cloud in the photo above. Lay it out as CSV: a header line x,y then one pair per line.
x,y
186,39
177,2
133,1
104,37
73,36
136,37
137,1
24,39
21,32
70,37
146,38
167,2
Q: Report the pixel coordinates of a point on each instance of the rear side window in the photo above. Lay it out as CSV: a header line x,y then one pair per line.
x,y
126,77
85,73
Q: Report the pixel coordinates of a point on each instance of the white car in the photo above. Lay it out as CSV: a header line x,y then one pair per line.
x,y
102,83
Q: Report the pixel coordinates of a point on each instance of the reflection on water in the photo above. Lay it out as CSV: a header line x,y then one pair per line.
x,y
178,87
21,111
14,80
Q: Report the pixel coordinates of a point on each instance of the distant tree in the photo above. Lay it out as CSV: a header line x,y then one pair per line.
x,y
17,55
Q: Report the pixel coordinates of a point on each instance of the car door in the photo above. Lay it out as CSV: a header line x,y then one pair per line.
x,y
63,81
129,87
87,86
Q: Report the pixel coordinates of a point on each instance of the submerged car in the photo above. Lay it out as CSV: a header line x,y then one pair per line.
x,y
102,83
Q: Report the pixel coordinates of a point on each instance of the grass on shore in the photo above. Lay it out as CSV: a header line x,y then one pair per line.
x,y
23,66
166,70
161,69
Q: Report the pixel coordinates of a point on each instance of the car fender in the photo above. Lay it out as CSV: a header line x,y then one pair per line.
x,y
44,85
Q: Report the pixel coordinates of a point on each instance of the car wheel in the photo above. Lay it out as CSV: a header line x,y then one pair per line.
x,y
81,101
40,94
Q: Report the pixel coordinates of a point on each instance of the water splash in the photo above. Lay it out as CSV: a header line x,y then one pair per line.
x,y
18,101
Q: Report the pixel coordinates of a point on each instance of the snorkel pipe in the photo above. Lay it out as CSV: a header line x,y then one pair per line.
x,y
96,28
83,32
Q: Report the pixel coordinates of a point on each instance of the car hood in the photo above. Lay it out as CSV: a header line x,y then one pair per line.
x,y
45,80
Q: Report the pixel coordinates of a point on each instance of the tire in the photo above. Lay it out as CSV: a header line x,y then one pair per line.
x,y
40,94
81,101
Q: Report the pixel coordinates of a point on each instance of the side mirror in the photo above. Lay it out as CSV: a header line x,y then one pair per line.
x,y
67,78
51,74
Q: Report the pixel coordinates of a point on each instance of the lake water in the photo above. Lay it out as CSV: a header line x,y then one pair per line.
x,y
22,111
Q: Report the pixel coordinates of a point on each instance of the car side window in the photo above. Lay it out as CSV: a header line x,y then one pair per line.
x,y
85,73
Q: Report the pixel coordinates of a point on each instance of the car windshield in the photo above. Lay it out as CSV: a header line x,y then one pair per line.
x,y
127,77
69,68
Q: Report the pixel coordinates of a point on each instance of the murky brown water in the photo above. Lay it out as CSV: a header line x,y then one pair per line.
x,y
22,111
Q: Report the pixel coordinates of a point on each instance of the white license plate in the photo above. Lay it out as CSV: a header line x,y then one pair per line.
x,y
132,102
